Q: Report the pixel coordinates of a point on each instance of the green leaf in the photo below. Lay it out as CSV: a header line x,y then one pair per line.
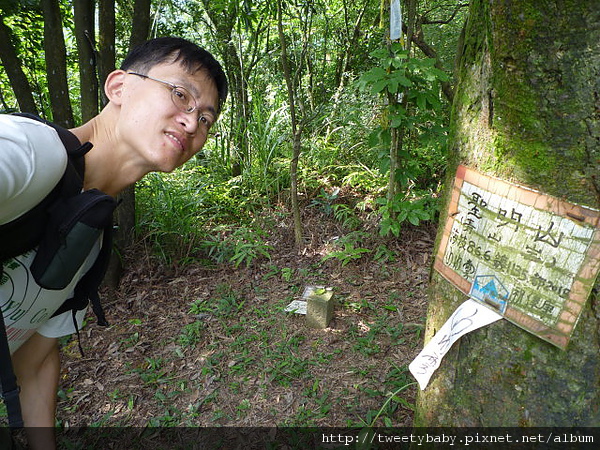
x,y
398,64
440,74
374,138
388,63
379,86
421,101
393,86
404,81
374,74
384,227
423,215
397,121
403,215
412,218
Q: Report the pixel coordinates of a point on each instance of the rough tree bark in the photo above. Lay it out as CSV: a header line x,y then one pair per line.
x,y
56,64
86,42
125,215
140,26
106,64
12,65
106,43
527,110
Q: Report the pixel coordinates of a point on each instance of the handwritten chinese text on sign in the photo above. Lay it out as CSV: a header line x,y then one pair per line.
x,y
543,252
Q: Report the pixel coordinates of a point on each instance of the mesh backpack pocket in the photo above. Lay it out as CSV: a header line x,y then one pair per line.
x,y
75,225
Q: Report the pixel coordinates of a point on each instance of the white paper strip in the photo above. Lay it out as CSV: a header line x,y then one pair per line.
x,y
297,306
395,20
468,317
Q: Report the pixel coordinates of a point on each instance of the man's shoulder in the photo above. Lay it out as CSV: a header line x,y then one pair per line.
x,y
30,135
32,161
15,123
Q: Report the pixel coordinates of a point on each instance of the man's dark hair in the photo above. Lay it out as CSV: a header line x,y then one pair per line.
x,y
173,49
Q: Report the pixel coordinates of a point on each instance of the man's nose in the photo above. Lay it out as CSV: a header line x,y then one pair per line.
x,y
190,122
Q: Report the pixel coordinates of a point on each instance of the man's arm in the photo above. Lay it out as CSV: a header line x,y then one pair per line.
x,y
37,367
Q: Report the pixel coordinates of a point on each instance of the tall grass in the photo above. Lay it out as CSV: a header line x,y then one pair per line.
x,y
176,210
267,167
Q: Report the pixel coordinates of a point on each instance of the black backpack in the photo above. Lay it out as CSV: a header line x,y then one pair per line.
x,y
64,226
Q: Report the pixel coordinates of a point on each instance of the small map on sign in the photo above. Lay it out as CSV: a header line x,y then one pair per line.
x,y
489,290
531,257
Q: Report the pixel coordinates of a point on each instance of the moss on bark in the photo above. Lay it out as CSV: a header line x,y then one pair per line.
x,y
527,110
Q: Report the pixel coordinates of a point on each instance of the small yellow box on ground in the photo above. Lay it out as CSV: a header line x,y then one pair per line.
x,y
319,306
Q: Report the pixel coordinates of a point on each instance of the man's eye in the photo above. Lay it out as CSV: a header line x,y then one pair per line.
x,y
180,94
205,121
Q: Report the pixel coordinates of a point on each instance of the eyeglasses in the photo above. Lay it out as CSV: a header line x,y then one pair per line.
x,y
181,98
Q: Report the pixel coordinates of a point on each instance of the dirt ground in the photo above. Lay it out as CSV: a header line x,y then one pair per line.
x,y
205,345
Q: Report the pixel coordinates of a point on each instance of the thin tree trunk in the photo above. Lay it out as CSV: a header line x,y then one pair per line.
x,y
106,45
527,111
56,64
344,62
140,30
296,130
398,134
86,42
12,65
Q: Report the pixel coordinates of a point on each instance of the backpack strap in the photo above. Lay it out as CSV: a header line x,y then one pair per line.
x,y
10,389
86,290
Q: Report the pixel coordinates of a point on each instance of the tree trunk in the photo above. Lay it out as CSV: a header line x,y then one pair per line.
x,y
223,18
56,64
240,105
106,64
351,42
296,129
140,22
526,110
12,65
125,213
106,44
86,42
398,134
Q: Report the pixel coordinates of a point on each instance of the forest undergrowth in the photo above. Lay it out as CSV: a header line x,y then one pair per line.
x,y
210,345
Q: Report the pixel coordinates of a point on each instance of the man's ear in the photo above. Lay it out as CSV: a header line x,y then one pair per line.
x,y
113,87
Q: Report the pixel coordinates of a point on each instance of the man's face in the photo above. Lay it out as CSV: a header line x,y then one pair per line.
x,y
156,119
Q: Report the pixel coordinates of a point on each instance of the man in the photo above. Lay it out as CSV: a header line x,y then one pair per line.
x,y
161,106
